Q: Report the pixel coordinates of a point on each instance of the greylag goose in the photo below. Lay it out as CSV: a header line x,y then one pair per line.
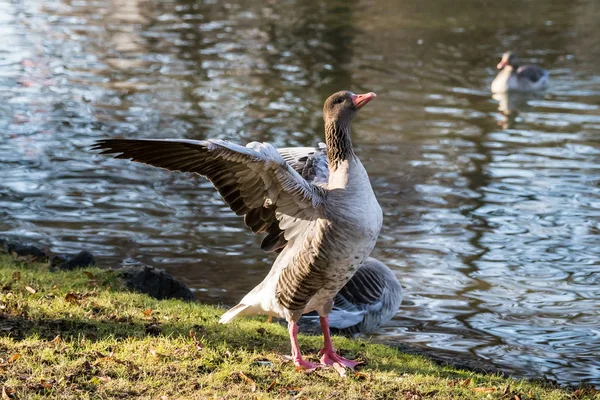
x,y
370,299
323,225
516,77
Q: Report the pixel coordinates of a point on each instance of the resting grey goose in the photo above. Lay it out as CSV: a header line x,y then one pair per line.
x,y
323,226
516,77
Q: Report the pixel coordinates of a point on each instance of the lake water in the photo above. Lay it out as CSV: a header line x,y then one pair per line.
x,y
492,221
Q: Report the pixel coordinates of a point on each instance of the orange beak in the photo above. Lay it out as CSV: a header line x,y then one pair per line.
x,y
360,100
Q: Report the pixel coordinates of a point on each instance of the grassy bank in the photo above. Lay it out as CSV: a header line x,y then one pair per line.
x,y
79,334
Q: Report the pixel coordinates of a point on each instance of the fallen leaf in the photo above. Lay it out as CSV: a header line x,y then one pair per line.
x,y
57,339
46,384
360,375
97,380
153,351
263,363
6,393
147,312
16,275
483,390
14,358
71,298
88,274
466,382
271,386
249,380
55,287
30,289
517,397
197,343
340,369
284,358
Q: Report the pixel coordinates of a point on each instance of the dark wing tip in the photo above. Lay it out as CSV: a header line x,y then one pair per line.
x,y
106,145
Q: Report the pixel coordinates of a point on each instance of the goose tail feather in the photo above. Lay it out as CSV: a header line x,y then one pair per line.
x,y
237,311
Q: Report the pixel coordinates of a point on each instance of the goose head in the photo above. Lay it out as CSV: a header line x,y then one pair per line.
x,y
508,58
342,106
338,111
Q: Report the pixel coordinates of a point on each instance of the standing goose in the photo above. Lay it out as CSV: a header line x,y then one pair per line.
x,y
323,226
514,77
373,295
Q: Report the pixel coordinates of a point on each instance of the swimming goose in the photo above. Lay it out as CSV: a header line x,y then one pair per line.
x,y
513,77
323,226
370,299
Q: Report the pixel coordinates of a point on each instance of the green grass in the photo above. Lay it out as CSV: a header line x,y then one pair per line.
x,y
82,335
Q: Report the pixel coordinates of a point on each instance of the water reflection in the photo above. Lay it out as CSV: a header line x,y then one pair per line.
x,y
491,205
510,104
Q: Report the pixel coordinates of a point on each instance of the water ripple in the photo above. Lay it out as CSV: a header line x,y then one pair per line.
x,y
491,204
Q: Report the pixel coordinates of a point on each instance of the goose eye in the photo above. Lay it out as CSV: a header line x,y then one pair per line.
x,y
339,100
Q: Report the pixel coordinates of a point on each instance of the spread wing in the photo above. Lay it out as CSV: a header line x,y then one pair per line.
x,y
255,180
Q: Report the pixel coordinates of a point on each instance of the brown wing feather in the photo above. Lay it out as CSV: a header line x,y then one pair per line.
x,y
255,182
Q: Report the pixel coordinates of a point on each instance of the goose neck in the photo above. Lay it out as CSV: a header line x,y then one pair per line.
x,y
339,144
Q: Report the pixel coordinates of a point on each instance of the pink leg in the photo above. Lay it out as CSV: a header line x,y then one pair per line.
x,y
296,356
329,355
